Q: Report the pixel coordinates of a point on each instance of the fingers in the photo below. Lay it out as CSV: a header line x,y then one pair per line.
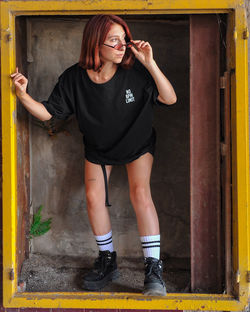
x,y
17,77
131,44
19,85
142,50
19,81
140,44
16,72
135,52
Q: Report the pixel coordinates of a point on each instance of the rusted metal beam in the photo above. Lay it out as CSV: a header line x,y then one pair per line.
x,y
226,185
205,154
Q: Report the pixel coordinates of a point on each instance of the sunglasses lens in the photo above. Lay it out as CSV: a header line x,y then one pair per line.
x,y
118,46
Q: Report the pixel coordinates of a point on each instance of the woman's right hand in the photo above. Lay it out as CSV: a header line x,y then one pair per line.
x,y
20,83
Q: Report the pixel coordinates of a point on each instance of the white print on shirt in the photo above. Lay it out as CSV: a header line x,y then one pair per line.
x,y
129,96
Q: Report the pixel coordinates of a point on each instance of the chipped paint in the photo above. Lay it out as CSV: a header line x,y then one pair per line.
x,y
14,116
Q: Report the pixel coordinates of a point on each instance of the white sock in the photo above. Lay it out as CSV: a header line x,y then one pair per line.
x,y
104,242
151,246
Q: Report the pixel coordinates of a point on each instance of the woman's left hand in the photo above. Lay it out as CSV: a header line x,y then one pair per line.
x,y
143,53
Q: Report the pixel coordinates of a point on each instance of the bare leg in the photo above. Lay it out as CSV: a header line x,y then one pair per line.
x,y
95,194
99,219
139,172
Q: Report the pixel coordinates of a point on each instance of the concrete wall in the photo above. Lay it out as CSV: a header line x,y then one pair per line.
x,y
58,162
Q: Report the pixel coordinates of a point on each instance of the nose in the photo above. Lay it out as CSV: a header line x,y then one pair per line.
x,y
122,47
122,43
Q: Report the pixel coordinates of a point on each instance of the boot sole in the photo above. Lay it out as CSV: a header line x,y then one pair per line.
x,y
154,289
97,285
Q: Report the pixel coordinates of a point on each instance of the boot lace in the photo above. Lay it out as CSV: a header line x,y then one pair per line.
x,y
155,268
102,262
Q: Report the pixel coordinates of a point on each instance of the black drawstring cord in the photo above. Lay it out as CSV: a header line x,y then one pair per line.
x,y
106,186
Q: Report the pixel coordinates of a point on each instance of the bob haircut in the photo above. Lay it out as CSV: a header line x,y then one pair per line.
x,y
94,35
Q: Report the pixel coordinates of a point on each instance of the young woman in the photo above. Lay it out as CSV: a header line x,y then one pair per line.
x,y
112,91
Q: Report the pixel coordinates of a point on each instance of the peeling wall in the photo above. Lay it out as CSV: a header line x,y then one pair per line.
x,y
58,162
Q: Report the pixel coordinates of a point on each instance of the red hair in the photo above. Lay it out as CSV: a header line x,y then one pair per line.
x,y
94,35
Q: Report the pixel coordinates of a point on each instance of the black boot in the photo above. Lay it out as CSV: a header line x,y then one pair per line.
x,y
105,270
153,283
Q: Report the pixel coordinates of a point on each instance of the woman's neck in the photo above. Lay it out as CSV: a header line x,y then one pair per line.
x,y
106,73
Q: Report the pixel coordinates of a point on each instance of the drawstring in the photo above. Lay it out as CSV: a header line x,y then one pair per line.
x,y
106,186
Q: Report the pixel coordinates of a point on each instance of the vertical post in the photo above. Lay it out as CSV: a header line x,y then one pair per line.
x,y
205,154
23,154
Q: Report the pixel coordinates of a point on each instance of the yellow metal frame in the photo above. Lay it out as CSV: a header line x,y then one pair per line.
x,y
240,156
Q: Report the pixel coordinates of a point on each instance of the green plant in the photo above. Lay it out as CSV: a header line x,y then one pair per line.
x,y
38,227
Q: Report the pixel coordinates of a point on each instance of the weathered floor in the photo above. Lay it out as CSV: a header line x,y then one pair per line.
x,y
62,273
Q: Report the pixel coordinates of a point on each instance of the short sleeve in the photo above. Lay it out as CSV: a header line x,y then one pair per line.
x,y
150,88
60,103
154,93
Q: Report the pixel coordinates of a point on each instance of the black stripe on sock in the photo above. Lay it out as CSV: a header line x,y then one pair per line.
x,y
104,240
104,243
151,246
151,242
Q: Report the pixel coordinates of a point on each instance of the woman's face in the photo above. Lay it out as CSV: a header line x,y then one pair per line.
x,y
115,35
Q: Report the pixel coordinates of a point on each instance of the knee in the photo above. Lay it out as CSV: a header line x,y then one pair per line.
x,y
140,196
93,198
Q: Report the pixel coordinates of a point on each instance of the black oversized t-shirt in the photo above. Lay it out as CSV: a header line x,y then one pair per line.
x,y
115,117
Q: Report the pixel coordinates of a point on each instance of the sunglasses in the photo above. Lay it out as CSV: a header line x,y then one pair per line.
x,y
118,46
